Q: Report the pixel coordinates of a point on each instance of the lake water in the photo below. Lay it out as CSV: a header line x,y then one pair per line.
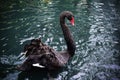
x,y
96,34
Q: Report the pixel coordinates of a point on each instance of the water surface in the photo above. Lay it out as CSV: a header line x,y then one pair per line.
x,y
96,34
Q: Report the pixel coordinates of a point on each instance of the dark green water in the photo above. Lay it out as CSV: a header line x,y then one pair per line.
x,y
96,34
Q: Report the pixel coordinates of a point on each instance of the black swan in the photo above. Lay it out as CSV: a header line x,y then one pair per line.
x,y
42,56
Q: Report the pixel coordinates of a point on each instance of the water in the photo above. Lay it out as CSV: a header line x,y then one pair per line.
x,y
96,34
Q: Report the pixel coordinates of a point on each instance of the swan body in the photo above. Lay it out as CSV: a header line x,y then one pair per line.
x,y
40,55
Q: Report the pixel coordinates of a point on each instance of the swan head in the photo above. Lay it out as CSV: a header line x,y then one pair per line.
x,y
68,15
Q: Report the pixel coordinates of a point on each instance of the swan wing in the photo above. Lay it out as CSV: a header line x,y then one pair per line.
x,y
38,65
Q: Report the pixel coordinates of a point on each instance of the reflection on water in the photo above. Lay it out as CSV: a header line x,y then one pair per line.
x,y
96,34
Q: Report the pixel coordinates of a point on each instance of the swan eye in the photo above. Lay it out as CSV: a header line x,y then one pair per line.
x,y
70,17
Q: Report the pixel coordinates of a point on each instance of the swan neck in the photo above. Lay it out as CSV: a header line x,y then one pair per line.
x,y
68,37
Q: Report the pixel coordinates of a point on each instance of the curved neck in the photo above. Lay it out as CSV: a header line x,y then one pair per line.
x,y
68,37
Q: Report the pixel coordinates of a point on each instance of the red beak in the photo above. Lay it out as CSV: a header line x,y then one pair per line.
x,y
72,21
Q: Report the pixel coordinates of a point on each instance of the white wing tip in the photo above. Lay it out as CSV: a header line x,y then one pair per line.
x,y
38,65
